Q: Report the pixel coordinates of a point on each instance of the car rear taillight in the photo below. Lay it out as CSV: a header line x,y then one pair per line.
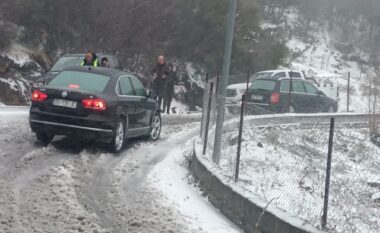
x,y
39,96
94,104
275,98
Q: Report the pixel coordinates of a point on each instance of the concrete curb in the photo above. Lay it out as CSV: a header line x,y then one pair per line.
x,y
251,214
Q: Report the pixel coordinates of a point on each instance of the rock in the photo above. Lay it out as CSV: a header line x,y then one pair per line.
x,y
374,184
81,218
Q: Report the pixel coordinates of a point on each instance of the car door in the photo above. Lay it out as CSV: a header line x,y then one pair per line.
x,y
145,106
300,99
316,100
129,102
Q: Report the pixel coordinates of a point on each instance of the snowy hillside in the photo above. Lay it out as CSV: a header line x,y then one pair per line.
x,y
318,56
18,70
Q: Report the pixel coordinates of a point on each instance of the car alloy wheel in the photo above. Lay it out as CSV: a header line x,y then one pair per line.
x,y
119,136
155,130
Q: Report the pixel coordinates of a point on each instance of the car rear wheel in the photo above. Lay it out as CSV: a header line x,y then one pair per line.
x,y
44,137
119,136
155,127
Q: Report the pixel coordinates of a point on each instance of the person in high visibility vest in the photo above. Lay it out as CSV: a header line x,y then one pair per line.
x,y
90,59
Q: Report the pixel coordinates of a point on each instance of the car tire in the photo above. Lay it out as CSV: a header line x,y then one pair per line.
x,y
119,136
44,138
155,127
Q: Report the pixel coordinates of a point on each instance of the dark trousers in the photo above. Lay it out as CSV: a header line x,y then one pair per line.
x,y
168,101
159,95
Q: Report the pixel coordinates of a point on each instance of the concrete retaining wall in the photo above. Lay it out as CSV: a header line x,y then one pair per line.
x,y
253,216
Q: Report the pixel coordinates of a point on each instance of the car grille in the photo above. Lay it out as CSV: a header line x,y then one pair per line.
x,y
231,92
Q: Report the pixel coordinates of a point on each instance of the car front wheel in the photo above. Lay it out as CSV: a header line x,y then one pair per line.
x,y
119,137
155,127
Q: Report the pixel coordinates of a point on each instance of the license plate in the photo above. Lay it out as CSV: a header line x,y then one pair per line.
x,y
65,103
257,97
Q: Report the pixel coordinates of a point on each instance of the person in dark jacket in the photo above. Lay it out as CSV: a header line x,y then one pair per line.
x,y
170,81
105,63
90,59
160,73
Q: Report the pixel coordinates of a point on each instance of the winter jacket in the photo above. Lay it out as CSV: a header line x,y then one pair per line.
x,y
93,63
160,74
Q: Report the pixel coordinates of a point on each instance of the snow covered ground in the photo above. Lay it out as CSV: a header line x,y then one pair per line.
x,y
73,186
291,176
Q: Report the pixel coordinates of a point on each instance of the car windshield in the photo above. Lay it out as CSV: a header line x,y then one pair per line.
x,y
81,81
260,84
65,62
261,75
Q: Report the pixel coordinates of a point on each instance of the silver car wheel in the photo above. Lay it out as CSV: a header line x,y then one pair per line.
x,y
119,136
155,127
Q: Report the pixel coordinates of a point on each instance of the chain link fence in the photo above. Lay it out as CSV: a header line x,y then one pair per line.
x,y
284,163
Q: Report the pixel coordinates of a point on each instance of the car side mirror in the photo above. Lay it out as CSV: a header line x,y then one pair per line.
x,y
320,93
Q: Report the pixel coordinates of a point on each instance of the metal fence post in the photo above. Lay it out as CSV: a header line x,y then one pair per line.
x,y
290,90
240,138
208,118
348,92
203,108
328,174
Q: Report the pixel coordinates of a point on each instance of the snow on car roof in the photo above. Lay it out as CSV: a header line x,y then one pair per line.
x,y
237,86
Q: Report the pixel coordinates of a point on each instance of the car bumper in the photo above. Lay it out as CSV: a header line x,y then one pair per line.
x,y
258,108
86,128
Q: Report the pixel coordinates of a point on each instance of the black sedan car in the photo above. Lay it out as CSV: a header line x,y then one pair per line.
x,y
279,95
98,104
70,60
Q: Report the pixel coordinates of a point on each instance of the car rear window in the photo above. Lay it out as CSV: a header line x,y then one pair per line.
x,y
260,84
80,80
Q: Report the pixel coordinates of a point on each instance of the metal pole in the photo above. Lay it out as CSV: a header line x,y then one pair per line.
x,y
224,81
248,76
348,92
203,109
290,89
328,173
240,138
208,118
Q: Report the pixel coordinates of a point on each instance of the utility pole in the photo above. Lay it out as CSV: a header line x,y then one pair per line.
x,y
348,91
222,89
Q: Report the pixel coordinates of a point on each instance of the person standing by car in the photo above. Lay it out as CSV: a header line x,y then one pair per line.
x,y
90,59
105,63
160,74
169,90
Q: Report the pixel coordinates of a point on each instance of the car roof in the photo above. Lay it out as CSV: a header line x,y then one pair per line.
x,y
279,79
82,55
113,73
277,71
238,86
